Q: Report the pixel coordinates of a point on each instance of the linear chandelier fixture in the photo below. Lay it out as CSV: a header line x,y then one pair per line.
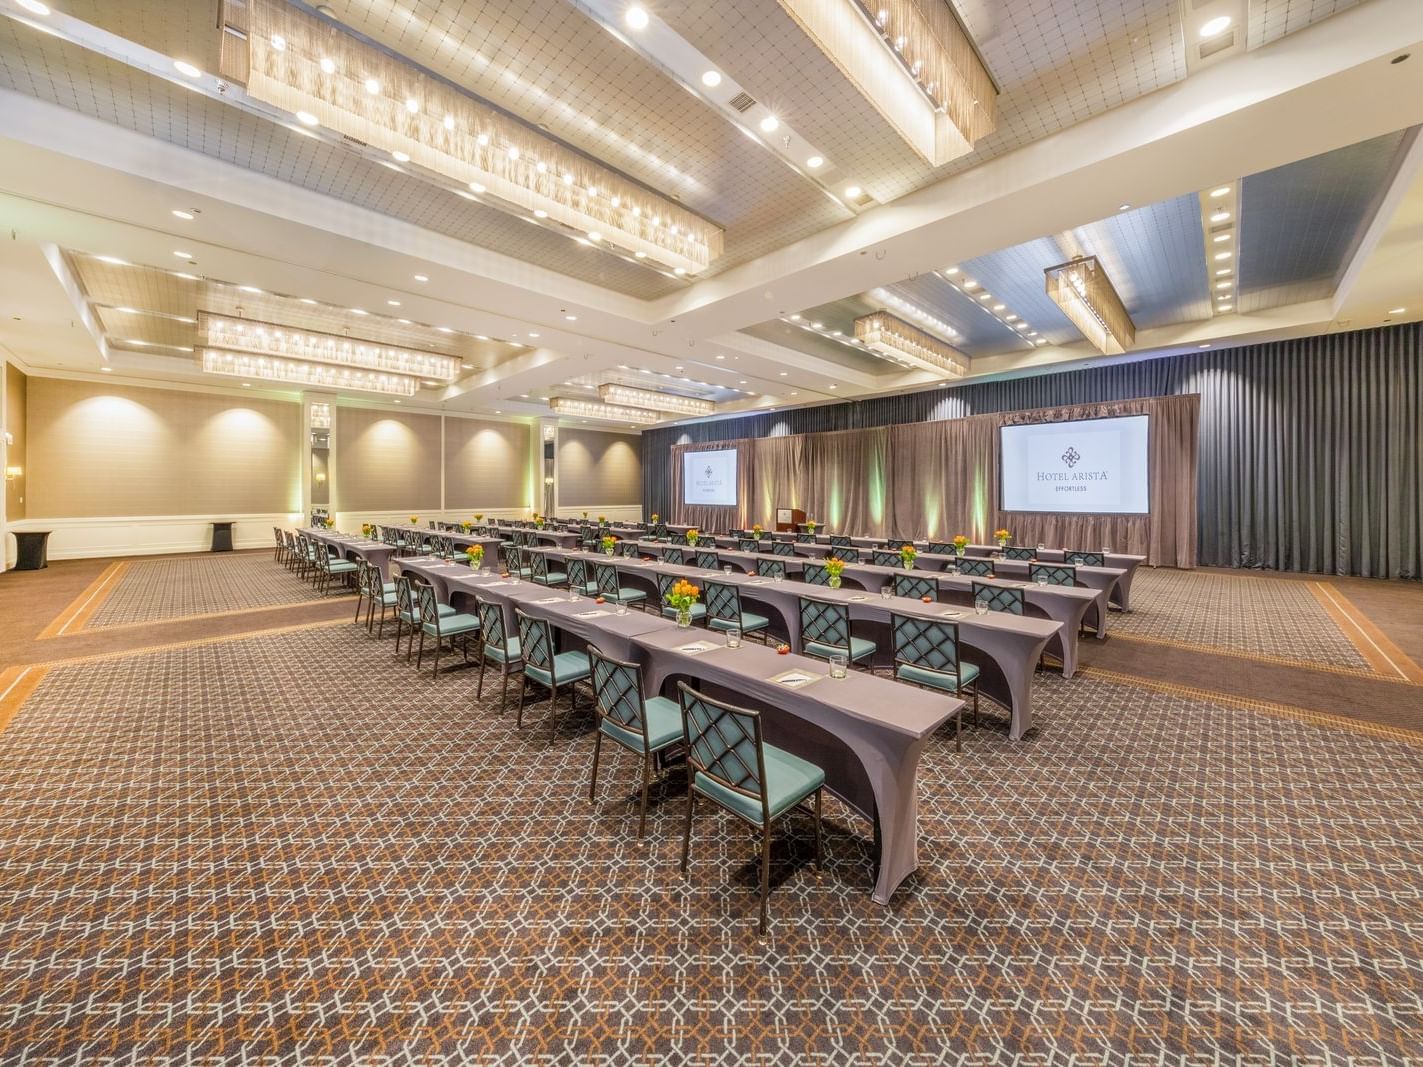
x,y
627,396
301,65
1087,297
592,409
914,62
270,339
298,372
904,343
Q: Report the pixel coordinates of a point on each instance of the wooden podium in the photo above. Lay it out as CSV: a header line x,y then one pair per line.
x,y
789,520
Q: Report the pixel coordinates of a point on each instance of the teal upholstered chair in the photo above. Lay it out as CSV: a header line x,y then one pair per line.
x,y
883,558
939,548
732,766
926,654
626,549
1087,559
407,611
665,582
675,554
496,646
329,569
442,626
1053,573
839,540
804,538
610,586
815,574
373,592
894,544
916,584
782,548
1008,599
522,567
846,553
771,568
707,560
975,568
724,610
748,544
644,726
825,631
539,570
1019,553
549,668
578,579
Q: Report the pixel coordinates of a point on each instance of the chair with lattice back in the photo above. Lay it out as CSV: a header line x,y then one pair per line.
x,y
707,560
805,538
882,558
1087,559
975,568
1052,573
578,579
546,666
673,554
1008,599
644,726
939,548
770,568
917,585
441,626
825,631
732,766
845,554
626,549
840,540
610,586
497,647
539,569
1019,553
724,610
782,548
815,573
926,654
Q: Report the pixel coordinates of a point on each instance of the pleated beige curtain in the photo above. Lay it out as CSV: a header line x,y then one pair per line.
x,y
935,480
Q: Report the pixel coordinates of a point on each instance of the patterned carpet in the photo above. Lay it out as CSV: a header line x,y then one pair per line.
x,y
1275,617
161,589
290,849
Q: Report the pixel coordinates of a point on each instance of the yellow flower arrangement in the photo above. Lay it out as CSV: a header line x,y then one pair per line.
x,y
683,595
656,518
834,567
1002,537
414,520
756,531
960,542
908,553
476,555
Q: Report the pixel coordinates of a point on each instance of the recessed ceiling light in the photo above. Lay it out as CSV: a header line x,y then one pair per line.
x,y
444,329
393,303
512,152
422,277
570,318
711,79
594,235
770,124
247,385
1123,207
1215,27
1397,311
1221,216
403,322
480,337
328,65
1222,191
985,296
372,86
815,162
640,255
307,300
141,344
816,325
853,192
999,307
279,43
128,311
679,271
795,318
306,118
1040,341
784,373
1221,256
533,335
182,254
249,289
186,216
540,213
1225,307
412,105
1218,238
636,17
1222,285
1223,272
400,157
359,311
34,7
183,67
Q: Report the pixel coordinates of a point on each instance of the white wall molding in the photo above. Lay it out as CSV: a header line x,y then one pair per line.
x,y
148,535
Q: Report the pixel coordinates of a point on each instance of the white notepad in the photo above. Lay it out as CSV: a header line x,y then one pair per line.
x,y
795,679
696,648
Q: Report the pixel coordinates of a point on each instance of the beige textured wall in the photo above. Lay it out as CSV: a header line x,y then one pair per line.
x,y
14,420
100,450
596,468
386,461
486,464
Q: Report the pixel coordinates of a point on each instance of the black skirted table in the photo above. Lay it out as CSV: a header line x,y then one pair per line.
x,y
31,550
222,537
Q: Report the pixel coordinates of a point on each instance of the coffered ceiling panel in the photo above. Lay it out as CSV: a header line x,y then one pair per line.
x,y
1272,19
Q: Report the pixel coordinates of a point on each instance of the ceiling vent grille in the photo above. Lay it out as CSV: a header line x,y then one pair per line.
x,y
741,102
1223,43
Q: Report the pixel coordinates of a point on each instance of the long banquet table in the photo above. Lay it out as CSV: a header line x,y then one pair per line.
x,y
1005,648
867,736
376,553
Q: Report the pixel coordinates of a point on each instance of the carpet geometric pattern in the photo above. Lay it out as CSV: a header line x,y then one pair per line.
x,y
1275,617
158,590
293,849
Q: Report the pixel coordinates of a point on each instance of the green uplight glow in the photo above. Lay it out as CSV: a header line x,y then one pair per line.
x,y
980,508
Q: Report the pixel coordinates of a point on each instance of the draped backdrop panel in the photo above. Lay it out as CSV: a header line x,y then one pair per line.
x,y
1308,455
938,479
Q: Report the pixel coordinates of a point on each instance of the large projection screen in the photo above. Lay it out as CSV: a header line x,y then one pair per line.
x,y
709,477
1089,467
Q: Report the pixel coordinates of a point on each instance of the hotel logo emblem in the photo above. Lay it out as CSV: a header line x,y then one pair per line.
x,y
1070,457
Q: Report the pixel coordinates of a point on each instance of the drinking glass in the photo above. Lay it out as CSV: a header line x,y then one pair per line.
x,y
733,637
980,607
726,568
572,594
839,666
1106,549
778,577
1041,548
1041,579
886,591
622,609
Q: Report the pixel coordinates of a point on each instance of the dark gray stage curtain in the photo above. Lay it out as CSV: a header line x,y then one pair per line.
x,y
1311,450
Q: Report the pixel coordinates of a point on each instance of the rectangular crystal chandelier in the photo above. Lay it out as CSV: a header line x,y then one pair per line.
x,y
1087,297
299,372
270,339
914,62
904,343
325,78
591,409
628,396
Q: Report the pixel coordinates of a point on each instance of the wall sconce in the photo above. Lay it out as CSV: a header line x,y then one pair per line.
x,y
11,473
548,481
321,479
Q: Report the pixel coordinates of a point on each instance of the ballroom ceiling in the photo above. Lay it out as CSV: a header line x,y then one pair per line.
x,y
92,83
